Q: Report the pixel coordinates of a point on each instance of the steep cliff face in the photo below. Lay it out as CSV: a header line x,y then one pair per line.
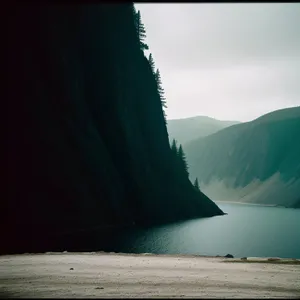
x,y
87,141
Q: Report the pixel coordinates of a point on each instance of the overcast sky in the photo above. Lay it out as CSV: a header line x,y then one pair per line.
x,y
229,61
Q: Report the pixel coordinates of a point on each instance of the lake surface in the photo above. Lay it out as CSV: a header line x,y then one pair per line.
x,y
247,230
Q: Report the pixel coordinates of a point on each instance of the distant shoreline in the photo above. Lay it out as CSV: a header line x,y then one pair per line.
x,y
248,203
149,254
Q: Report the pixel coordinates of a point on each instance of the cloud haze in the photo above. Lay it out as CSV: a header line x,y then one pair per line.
x,y
228,60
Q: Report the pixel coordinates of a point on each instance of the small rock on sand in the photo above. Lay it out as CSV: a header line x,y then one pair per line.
x,y
229,256
273,259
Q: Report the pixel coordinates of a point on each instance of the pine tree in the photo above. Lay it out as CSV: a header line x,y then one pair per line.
x,y
151,62
140,29
134,12
176,159
196,184
180,162
160,89
182,158
141,33
174,147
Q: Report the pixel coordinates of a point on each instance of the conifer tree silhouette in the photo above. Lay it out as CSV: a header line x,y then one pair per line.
x,y
140,29
182,159
134,12
196,184
174,147
151,62
160,88
161,93
141,33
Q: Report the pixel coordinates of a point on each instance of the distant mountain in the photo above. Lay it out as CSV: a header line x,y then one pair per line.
x,y
256,162
188,129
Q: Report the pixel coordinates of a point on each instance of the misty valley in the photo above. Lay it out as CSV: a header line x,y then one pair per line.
x,y
254,162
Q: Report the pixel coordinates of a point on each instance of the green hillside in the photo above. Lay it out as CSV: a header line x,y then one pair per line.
x,y
257,161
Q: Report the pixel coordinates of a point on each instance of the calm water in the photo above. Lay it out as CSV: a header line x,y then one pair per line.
x,y
247,230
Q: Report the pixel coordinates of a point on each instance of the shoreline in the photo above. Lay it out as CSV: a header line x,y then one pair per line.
x,y
179,255
249,203
124,275
254,204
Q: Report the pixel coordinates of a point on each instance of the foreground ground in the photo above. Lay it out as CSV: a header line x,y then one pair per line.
x,y
113,275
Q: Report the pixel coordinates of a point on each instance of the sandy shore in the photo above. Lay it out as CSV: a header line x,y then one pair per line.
x,y
133,276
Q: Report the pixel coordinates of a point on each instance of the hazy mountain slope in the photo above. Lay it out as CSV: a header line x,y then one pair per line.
x,y
188,129
297,204
87,141
258,161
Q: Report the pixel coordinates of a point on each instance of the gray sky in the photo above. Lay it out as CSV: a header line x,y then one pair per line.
x,y
232,61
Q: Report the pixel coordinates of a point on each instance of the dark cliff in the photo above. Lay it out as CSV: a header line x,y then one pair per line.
x,y
87,141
